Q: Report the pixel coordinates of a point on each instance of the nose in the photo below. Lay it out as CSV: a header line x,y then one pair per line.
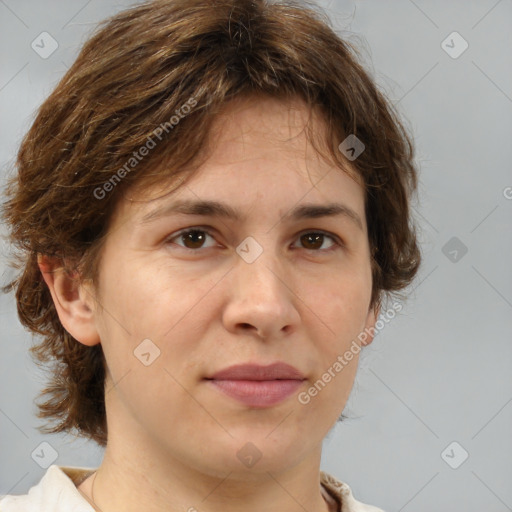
x,y
262,299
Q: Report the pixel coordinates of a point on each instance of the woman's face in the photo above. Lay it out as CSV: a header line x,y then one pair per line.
x,y
267,287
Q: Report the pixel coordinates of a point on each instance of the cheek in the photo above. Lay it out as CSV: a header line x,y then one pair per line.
x,y
135,295
169,310
128,301
326,396
341,305
340,310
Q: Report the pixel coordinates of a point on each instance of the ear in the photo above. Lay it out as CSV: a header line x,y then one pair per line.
x,y
73,301
371,320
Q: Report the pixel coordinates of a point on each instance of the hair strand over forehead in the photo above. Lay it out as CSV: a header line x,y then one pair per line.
x,y
163,70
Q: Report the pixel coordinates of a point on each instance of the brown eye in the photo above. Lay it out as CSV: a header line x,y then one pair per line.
x,y
192,239
313,241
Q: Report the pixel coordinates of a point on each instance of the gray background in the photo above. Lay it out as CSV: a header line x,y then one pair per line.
x,y
440,371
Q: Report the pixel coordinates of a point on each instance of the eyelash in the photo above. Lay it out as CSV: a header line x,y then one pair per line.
x,y
337,243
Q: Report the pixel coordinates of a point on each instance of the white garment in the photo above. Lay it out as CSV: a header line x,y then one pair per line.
x,y
57,492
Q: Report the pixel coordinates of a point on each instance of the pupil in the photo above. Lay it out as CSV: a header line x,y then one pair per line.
x,y
195,234
316,238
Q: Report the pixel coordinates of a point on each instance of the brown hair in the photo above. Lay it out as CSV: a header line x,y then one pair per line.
x,y
132,80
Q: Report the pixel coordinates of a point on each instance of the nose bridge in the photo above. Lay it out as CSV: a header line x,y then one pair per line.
x,y
262,296
259,264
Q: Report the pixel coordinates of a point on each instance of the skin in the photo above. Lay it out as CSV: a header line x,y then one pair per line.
x,y
173,440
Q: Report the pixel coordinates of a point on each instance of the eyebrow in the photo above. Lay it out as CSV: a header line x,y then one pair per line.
x,y
217,209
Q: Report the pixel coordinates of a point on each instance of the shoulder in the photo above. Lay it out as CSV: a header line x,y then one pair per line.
x,y
343,494
56,491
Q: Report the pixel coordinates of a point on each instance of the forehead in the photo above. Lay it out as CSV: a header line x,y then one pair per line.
x,y
259,155
259,124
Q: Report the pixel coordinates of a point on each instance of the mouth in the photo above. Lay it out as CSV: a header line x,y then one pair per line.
x,y
250,371
258,386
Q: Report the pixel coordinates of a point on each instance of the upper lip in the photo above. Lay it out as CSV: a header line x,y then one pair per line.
x,y
273,371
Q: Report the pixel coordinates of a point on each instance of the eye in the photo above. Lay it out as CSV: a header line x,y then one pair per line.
x,y
194,239
314,240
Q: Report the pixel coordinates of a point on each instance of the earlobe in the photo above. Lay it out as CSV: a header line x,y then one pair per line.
x,y
73,302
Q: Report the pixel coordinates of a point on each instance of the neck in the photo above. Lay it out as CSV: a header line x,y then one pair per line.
x,y
199,472
128,484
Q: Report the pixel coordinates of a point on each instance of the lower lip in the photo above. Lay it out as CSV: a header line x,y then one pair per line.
x,y
258,393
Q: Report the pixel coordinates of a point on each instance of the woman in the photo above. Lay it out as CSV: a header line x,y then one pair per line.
x,y
210,208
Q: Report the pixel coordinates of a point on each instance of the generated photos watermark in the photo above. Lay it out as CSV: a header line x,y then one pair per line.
x,y
158,133
342,360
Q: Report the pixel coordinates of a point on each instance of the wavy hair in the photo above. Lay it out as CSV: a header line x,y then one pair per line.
x,y
138,72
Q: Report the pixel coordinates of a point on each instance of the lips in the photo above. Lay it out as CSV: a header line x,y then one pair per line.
x,y
256,372
258,386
